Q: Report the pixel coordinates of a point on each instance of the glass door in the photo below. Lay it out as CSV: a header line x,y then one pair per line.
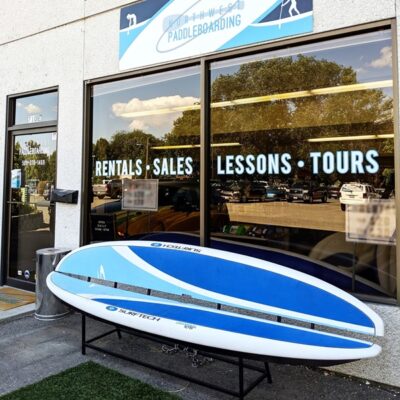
x,y
30,213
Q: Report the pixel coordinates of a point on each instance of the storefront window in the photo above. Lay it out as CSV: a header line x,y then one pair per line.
x,y
303,160
145,156
36,108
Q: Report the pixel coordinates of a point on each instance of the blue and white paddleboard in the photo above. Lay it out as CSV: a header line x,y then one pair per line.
x,y
219,277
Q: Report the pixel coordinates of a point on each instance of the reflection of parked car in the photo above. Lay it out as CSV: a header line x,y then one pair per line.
x,y
216,196
231,193
334,192
32,185
48,188
356,193
275,193
307,192
100,190
242,192
114,188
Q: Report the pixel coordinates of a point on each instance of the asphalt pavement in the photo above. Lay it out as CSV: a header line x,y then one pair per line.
x,y
31,350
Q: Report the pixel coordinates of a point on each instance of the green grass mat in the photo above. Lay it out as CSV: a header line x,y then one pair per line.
x,y
89,381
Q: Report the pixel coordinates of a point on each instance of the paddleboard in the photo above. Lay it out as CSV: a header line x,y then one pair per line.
x,y
222,277
206,326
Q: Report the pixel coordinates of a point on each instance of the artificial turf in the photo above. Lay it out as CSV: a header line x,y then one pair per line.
x,y
89,381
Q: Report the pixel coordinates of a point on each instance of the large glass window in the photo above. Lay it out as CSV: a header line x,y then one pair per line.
x,y
303,160
145,156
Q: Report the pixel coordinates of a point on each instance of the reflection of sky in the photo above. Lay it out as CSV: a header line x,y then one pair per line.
x,y
183,84
366,54
42,106
361,59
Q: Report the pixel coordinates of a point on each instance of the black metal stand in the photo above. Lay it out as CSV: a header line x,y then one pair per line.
x,y
214,353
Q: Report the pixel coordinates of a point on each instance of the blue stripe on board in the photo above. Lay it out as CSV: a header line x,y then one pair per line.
x,y
332,276
251,284
235,324
103,262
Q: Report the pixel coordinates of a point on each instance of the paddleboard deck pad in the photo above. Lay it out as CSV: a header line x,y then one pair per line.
x,y
245,283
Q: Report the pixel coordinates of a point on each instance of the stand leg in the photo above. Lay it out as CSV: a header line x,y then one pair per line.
x,y
83,334
268,372
241,380
118,331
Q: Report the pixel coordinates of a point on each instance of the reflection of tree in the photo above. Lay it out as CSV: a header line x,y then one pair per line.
x,y
130,145
51,170
287,75
124,146
278,125
101,149
284,124
17,156
36,163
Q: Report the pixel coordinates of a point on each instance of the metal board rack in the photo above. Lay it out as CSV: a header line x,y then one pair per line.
x,y
237,359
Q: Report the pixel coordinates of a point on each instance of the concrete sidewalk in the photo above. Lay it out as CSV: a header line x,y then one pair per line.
x,y
31,350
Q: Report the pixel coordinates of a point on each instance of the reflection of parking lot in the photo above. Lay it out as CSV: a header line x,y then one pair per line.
x,y
98,202
323,216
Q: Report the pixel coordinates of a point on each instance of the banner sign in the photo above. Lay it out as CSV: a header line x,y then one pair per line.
x,y
373,222
157,31
16,179
140,194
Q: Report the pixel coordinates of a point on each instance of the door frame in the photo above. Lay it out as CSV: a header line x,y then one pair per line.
x,y
11,131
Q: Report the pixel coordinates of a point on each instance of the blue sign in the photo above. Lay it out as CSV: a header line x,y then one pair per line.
x,y
16,179
157,31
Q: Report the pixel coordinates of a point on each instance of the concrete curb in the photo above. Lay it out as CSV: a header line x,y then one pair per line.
x,y
17,313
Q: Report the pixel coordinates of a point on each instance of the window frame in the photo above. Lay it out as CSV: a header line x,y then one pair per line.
x,y
11,129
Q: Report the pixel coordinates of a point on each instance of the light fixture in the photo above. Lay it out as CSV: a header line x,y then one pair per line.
x,y
306,93
348,138
193,146
160,111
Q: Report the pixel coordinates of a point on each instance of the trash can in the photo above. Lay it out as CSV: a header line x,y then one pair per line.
x,y
48,306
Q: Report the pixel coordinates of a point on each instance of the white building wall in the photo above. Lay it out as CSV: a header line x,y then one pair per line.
x,y
52,58
329,15
62,43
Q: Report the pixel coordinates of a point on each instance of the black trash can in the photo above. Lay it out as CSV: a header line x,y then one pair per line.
x,y
48,306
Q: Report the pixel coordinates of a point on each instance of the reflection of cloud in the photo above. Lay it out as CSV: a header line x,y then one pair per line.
x,y
154,106
138,124
158,113
155,124
19,104
385,60
361,70
32,109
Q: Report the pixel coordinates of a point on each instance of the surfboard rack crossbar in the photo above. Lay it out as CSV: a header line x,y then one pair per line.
x,y
228,357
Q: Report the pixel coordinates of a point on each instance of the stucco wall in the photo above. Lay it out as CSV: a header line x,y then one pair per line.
x,y
52,58
46,43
